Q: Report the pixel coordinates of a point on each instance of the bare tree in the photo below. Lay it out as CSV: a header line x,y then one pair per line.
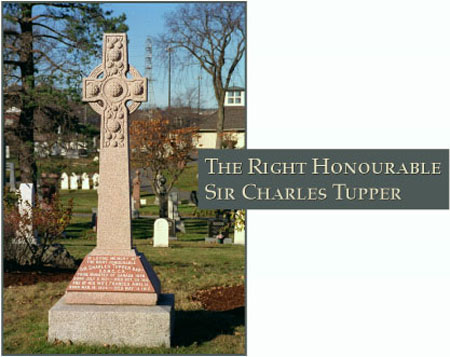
x,y
214,35
186,99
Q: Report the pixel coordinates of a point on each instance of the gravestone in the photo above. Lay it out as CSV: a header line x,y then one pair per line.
x,y
218,227
97,307
27,195
56,150
239,237
161,233
85,182
136,195
137,190
7,152
72,153
74,181
64,181
12,175
173,213
134,211
95,181
194,198
172,205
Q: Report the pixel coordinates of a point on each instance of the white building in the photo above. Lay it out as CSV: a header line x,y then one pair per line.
x,y
234,122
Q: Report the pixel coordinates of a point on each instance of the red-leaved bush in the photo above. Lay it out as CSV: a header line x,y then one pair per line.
x,y
28,234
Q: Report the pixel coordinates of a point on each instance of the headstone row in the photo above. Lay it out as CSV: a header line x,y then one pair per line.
x,y
73,182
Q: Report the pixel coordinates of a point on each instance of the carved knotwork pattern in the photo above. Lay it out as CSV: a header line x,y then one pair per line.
x,y
114,135
115,55
107,90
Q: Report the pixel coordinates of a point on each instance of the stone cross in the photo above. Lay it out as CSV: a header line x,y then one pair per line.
x,y
114,272
114,96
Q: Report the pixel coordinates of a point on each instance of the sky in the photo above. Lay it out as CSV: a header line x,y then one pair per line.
x,y
147,19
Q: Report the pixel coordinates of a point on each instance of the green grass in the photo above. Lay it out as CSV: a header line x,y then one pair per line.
x,y
187,266
61,164
142,228
188,179
85,200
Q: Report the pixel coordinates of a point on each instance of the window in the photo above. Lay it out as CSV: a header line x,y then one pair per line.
x,y
234,97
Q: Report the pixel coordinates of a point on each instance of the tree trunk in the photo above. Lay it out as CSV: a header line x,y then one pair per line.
x,y
25,129
220,123
27,163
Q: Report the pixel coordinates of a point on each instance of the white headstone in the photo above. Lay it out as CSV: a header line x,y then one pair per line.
x,y
27,195
7,155
161,233
64,181
239,237
74,181
95,180
172,205
85,182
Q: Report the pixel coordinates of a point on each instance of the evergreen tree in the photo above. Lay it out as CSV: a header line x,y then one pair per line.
x,y
48,45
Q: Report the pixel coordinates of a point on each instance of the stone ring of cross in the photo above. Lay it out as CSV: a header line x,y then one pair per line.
x,y
108,86
108,89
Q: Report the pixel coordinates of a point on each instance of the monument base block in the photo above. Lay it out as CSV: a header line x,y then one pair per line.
x,y
140,326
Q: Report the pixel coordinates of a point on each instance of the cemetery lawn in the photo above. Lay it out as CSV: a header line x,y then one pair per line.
x,y
84,201
189,265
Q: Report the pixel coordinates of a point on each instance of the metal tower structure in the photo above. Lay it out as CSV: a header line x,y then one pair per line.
x,y
148,72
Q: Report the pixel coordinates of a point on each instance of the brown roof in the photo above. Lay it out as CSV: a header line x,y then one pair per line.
x,y
235,120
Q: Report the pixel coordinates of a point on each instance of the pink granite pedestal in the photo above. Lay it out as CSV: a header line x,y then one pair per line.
x,y
114,280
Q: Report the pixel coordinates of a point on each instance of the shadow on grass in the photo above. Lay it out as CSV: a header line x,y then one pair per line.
x,y
202,326
78,230
142,228
197,229
196,226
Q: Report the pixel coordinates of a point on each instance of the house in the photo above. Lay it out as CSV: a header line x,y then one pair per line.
x,y
48,143
234,123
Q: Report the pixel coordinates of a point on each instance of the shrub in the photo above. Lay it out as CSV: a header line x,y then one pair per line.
x,y
47,220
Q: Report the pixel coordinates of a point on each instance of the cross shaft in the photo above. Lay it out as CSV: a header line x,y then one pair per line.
x,y
111,94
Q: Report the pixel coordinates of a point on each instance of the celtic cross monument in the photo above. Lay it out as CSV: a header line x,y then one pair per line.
x,y
114,277
113,96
